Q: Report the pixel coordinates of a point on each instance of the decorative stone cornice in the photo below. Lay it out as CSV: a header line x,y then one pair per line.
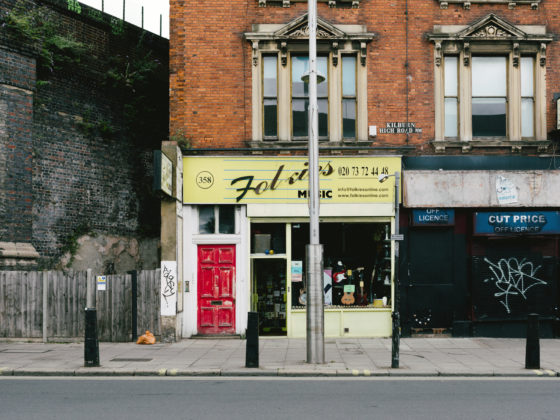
x,y
491,28
303,32
491,31
534,4
287,3
334,48
515,54
297,30
542,60
438,53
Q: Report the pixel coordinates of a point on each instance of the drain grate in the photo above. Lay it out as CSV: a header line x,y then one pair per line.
x,y
130,359
23,351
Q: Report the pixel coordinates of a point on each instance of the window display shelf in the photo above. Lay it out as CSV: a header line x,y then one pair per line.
x,y
263,255
346,309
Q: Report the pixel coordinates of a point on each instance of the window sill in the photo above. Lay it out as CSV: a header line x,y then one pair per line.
x,y
467,146
294,145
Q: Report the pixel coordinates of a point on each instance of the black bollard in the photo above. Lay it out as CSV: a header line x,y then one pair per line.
x,y
252,349
91,345
532,349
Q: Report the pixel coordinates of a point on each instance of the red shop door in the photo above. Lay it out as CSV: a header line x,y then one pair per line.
x,y
216,289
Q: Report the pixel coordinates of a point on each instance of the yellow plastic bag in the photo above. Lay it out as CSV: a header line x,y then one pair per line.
x,y
147,338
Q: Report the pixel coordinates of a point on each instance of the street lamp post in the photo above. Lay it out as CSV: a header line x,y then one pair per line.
x,y
315,297
396,334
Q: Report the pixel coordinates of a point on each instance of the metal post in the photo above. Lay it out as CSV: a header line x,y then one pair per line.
x,y
134,292
252,346
315,296
91,342
396,300
45,278
123,9
532,346
142,17
90,289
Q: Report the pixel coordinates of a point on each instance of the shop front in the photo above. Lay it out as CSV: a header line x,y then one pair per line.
x,y
482,247
245,231
514,270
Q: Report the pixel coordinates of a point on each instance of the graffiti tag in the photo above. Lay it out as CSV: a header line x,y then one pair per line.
x,y
513,277
169,286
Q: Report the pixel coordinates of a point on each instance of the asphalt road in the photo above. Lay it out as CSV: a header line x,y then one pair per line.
x,y
256,398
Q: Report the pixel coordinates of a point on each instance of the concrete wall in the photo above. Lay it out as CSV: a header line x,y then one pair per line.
x,y
479,188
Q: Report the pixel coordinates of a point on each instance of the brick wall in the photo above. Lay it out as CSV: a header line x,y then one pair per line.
x,y
71,158
210,62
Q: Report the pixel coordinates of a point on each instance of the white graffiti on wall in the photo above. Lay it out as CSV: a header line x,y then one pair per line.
x,y
513,277
168,287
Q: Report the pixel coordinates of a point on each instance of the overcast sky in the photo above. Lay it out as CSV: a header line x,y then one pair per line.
x,y
133,13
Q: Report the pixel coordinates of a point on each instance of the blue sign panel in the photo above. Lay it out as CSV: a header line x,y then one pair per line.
x,y
433,217
517,222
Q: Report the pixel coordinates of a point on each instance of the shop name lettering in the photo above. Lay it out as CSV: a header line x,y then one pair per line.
x,y
400,128
280,178
517,222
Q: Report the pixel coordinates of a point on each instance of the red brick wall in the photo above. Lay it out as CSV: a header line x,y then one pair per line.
x,y
210,62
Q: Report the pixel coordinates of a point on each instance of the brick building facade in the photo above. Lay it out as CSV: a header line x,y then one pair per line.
x,y
405,80
77,133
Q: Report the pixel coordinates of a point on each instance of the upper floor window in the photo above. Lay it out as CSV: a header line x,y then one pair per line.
x,y
349,102
527,97
451,93
281,99
300,97
270,96
490,85
489,96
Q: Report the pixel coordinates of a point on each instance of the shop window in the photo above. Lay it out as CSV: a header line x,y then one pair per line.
x,y
216,220
357,264
268,238
269,295
490,85
280,98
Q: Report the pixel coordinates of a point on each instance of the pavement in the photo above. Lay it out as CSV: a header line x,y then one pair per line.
x,y
346,357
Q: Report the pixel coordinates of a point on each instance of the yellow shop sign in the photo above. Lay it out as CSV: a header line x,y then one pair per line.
x,y
237,180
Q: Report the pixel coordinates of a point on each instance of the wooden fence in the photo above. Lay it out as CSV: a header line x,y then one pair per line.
x,y
50,305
